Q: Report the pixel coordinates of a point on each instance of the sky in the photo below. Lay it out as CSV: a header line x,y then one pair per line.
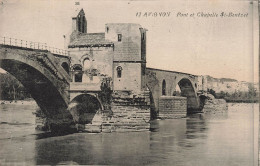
x,y
222,47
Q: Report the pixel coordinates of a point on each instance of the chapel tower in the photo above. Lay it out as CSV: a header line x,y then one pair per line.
x,y
79,22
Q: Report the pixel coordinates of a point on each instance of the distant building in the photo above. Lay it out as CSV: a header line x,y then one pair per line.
x,y
202,83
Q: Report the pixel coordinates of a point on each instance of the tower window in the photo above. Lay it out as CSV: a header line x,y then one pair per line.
x,y
142,36
78,77
107,29
119,36
79,23
119,71
83,25
77,73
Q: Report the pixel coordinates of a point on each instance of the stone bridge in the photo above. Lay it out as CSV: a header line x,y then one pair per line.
x,y
165,83
45,75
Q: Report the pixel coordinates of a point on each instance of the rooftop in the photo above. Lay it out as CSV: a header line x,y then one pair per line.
x,y
149,68
90,40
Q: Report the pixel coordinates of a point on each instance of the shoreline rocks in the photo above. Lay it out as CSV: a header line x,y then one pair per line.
x,y
216,105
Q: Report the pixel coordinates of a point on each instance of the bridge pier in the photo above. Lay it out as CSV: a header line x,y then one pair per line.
x,y
127,112
172,107
58,123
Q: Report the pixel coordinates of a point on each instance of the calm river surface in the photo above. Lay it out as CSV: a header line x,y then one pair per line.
x,y
214,139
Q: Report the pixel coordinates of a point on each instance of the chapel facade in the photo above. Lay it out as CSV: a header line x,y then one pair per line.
x,y
118,54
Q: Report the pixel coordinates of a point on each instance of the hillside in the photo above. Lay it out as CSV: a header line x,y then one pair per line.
x,y
233,90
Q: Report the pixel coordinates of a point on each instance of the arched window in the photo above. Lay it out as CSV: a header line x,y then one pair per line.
x,y
77,69
83,24
163,88
119,37
86,63
119,71
143,37
79,23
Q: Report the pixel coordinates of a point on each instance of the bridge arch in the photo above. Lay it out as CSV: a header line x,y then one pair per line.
x,y
188,90
84,107
41,80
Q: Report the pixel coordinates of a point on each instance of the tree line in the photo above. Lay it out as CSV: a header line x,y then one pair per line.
x,y
238,96
11,88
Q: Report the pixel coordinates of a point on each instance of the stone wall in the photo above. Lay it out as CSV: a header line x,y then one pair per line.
x,y
100,58
172,107
128,118
130,78
129,48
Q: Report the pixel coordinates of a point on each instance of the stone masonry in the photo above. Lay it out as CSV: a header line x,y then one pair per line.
x,y
172,107
128,113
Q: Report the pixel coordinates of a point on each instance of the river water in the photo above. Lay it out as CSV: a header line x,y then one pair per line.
x,y
216,139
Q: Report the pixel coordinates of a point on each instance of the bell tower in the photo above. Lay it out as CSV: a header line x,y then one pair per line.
x,y
79,22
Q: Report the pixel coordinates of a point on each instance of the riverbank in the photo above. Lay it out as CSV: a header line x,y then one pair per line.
x,y
256,100
18,102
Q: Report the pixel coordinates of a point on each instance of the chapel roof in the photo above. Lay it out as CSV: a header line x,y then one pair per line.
x,y
90,40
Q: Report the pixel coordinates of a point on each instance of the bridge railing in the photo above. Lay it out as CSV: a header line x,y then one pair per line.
x,y
33,45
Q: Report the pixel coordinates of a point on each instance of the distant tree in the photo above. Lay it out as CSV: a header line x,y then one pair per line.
x,y
11,88
211,91
222,95
240,94
251,91
227,94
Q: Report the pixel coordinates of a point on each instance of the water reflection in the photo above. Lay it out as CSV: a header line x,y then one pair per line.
x,y
223,138
167,143
81,148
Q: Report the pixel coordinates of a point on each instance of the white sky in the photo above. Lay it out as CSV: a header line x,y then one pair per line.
x,y
220,47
